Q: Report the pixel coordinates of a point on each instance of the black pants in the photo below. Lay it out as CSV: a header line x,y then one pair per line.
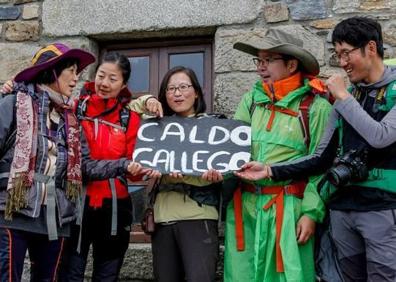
x,y
44,255
186,250
107,251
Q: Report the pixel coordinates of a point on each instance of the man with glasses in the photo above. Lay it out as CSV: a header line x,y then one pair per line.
x,y
270,224
363,176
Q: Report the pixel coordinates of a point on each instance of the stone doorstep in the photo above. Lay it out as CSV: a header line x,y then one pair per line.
x,y
137,265
138,236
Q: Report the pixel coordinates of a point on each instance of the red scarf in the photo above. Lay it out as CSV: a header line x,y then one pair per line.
x,y
279,89
23,163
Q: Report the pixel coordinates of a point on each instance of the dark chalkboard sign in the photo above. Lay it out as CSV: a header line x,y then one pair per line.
x,y
193,145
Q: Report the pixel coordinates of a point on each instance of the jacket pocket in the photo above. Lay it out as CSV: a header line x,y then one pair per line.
x,y
67,211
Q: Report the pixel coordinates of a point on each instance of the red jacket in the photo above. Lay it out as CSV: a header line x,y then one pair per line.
x,y
110,143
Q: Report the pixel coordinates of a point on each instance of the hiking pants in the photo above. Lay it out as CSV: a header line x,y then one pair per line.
x,y
44,255
185,250
107,250
366,244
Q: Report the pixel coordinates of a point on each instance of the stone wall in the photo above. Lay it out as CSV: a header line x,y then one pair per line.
x,y
26,25
311,20
21,35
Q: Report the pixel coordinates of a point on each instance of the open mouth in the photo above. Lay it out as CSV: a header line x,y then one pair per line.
x,y
179,101
348,71
264,75
102,92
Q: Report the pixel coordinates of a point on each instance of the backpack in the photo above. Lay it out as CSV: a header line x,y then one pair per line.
x,y
303,116
81,109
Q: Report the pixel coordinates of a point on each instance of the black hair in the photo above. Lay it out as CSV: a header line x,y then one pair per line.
x,y
287,58
121,61
357,32
199,104
47,76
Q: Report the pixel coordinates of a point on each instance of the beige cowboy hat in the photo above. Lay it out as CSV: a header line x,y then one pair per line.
x,y
278,41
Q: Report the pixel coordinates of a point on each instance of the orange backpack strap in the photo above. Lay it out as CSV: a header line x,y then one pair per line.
x,y
239,234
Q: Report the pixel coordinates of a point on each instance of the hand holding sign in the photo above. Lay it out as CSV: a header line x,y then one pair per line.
x,y
176,175
152,173
254,171
192,146
212,175
134,168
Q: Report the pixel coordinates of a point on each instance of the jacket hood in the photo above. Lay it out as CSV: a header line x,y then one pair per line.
x,y
125,96
388,76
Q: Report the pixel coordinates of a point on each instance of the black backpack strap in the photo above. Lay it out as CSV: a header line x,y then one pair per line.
x,y
82,106
125,115
252,108
305,105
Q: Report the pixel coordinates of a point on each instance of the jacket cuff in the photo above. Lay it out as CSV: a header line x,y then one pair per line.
x,y
125,163
148,98
315,216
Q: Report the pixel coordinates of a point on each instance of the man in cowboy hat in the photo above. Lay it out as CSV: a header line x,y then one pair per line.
x,y
270,224
363,200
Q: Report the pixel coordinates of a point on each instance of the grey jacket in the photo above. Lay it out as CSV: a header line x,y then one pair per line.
x,y
91,169
377,134
367,126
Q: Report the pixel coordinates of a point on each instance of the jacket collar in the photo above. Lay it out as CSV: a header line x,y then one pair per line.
x,y
309,84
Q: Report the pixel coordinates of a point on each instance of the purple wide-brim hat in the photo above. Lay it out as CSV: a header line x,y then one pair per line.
x,y
48,56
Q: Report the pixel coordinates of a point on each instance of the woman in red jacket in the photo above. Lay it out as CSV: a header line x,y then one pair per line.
x,y
110,129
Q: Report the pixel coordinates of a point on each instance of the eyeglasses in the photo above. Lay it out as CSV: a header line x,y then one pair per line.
x,y
344,55
265,61
182,88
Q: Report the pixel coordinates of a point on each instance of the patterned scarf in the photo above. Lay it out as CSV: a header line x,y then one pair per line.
x,y
74,178
22,167
23,164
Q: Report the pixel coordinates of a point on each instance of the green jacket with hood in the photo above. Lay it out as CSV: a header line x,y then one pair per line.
x,y
284,142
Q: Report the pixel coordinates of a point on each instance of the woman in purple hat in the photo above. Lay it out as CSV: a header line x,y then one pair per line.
x,y
41,163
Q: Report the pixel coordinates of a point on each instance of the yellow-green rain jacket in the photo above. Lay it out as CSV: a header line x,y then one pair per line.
x,y
283,142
